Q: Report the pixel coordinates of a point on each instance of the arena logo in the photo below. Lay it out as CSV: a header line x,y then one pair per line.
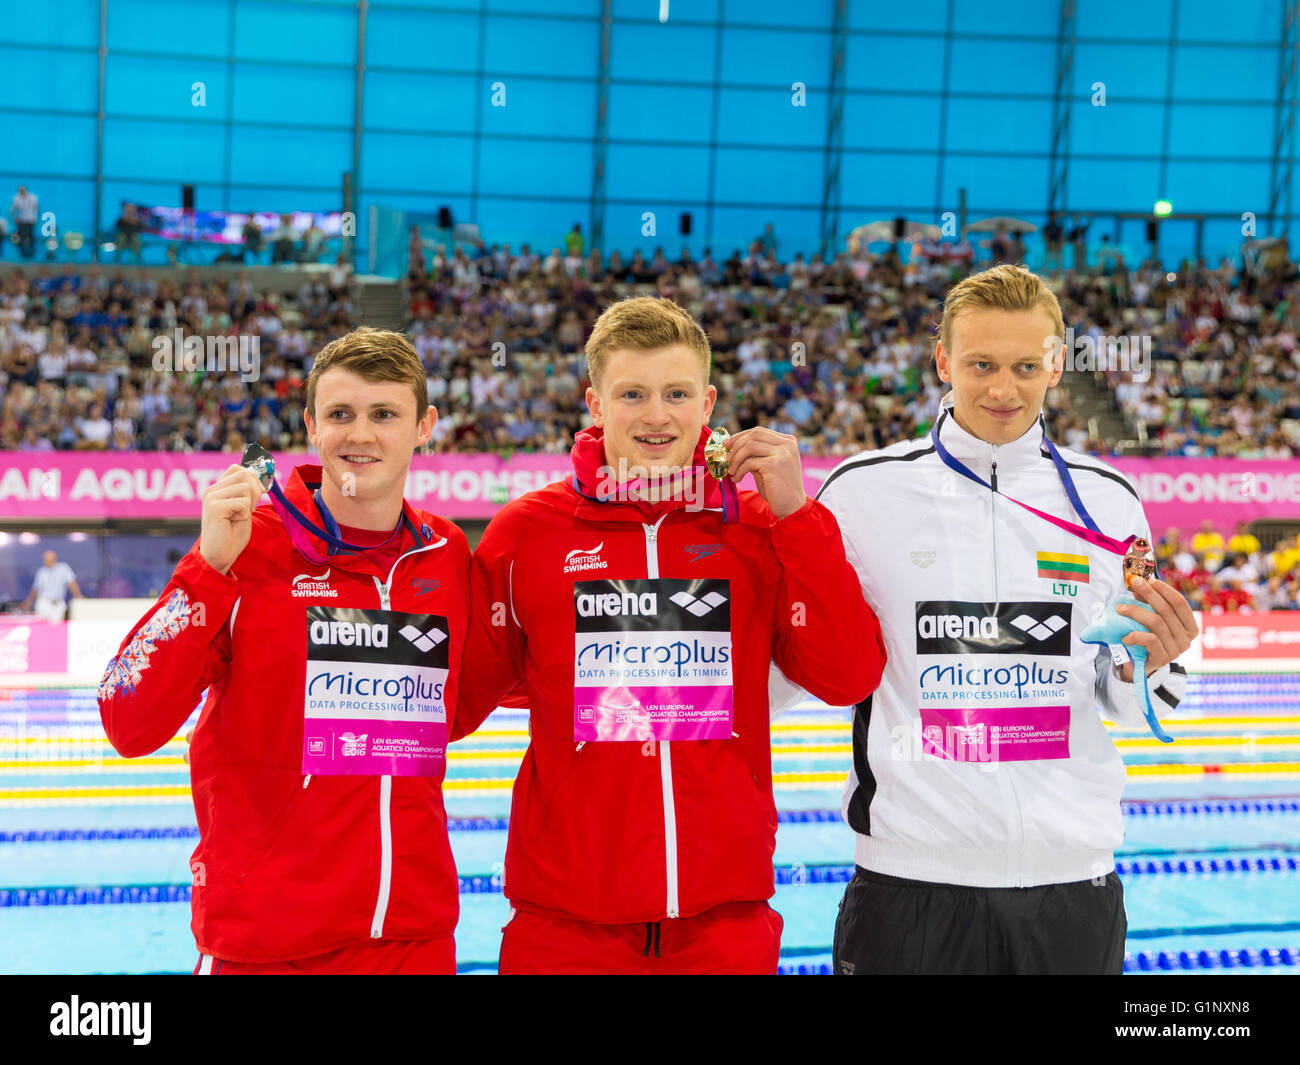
x,y
614,604
211,354
1104,353
349,634
945,627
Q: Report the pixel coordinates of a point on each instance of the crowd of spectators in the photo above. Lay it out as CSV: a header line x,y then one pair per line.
x,y
1223,374
834,351
78,352
1233,575
839,352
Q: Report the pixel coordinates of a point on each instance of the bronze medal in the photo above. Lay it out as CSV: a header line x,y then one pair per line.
x,y
1138,562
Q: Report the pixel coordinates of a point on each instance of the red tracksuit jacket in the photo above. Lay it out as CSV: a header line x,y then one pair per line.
x,y
619,832
289,866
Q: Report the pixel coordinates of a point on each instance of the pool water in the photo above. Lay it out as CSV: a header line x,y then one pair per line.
x,y
94,850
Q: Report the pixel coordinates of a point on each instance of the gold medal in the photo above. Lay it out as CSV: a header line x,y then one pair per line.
x,y
716,456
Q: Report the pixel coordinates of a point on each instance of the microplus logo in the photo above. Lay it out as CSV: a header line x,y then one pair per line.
x,y
955,628
103,1018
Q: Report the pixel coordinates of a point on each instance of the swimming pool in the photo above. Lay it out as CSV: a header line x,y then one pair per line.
x,y
94,850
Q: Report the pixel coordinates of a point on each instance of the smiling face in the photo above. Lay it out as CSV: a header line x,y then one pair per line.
x,y
366,432
998,371
652,405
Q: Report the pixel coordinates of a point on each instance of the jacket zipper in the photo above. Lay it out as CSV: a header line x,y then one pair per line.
x,y
665,752
993,515
993,480
386,784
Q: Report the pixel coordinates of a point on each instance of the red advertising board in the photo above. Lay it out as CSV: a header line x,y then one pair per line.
x,y
1271,634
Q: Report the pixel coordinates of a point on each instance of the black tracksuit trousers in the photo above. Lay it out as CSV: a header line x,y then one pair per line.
x,y
888,925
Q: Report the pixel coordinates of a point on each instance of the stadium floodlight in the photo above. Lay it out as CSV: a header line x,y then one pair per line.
x,y
1163,207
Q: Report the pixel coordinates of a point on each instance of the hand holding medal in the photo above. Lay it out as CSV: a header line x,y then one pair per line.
x,y
773,459
716,456
1151,631
227,517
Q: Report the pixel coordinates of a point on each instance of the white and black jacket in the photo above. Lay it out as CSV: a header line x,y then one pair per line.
x,y
981,646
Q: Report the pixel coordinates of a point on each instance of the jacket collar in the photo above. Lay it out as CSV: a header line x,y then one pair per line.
x,y
301,492
979,454
604,499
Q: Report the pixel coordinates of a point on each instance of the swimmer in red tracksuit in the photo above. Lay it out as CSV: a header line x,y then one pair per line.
x,y
643,824
323,837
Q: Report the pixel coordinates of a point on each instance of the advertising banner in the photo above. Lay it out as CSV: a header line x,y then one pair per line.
x,y
149,485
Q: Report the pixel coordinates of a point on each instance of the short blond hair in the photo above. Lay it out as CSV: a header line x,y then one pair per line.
x,y
376,355
1004,288
644,323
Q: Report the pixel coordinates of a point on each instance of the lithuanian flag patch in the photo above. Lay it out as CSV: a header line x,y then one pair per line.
x,y
1057,567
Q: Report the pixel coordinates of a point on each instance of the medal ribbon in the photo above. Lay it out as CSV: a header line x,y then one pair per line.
x,y
1089,531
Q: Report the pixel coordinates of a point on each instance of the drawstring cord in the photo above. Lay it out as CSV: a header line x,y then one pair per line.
x,y
652,930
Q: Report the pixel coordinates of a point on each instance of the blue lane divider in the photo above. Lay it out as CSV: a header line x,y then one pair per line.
x,y
785,817
1141,854
1132,808
1206,865
454,824
96,835
129,894
1217,806
1147,961
137,894
795,874
97,895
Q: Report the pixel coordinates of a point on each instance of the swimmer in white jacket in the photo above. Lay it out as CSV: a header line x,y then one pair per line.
x,y
985,790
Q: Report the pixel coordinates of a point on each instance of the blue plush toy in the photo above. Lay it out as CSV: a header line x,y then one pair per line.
x,y
1112,627
1110,631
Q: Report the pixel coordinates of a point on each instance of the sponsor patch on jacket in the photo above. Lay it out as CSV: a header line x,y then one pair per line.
x,y
948,627
996,734
582,560
1054,566
374,692
313,586
652,660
